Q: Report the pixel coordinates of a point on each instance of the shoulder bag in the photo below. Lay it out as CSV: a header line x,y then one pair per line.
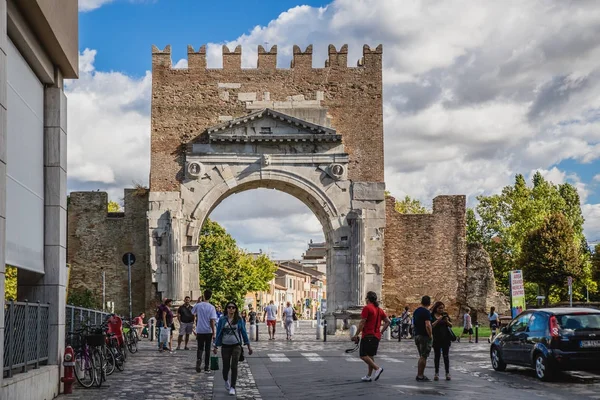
x,y
242,358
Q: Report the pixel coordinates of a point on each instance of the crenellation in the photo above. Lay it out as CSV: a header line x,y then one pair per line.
x,y
267,60
302,59
196,60
232,60
337,58
161,58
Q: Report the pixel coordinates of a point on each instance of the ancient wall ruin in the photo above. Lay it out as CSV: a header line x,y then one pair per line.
x,y
97,240
425,254
185,102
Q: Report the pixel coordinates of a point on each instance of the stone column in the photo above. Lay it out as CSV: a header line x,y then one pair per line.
x,y
51,287
3,140
357,271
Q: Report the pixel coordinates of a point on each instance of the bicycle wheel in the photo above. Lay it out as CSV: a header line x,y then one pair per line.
x,y
84,369
131,343
109,360
98,364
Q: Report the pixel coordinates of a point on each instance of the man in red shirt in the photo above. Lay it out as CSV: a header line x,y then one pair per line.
x,y
370,327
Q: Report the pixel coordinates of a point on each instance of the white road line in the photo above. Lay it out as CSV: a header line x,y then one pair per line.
x,y
389,359
353,359
278,357
313,357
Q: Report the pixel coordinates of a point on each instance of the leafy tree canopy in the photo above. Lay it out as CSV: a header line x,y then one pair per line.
x,y
409,205
228,271
113,206
549,255
10,283
506,219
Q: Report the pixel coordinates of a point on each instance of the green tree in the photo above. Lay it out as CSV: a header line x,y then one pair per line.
x,y
595,271
10,283
549,254
229,272
507,218
474,234
113,206
83,298
409,205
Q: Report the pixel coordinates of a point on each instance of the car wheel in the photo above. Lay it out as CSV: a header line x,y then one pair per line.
x,y
543,370
497,362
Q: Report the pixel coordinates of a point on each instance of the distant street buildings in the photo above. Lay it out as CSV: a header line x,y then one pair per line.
x,y
301,282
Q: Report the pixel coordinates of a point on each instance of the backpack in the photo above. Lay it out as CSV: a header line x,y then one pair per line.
x,y
158,315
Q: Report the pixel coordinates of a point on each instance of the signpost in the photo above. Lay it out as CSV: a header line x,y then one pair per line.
x,y
570,283
129,260
517,293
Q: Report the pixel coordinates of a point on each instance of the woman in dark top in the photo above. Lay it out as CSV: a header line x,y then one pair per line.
x,y
440,323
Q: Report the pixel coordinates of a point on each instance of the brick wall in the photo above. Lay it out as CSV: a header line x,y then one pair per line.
x,y
187,101
97,240
425,254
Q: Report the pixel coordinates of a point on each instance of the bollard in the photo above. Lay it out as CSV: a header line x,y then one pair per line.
x,y
152,331
477,332
298,324
387,335
318,326
257,331
325,330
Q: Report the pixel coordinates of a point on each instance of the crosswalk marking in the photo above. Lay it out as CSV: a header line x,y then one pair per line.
x,y
390,359
313,357
353,359
278,357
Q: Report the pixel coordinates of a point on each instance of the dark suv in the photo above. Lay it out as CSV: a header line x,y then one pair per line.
x,y
550,340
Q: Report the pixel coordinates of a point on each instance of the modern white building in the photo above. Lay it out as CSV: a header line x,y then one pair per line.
x,y
38,50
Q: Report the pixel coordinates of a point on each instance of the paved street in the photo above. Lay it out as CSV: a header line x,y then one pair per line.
x,y
306,368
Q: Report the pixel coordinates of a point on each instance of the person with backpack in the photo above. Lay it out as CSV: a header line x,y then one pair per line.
x,y
371,330
231,336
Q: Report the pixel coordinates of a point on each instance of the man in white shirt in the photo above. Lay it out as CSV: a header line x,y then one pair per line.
x,y
205,316
271,317
467,326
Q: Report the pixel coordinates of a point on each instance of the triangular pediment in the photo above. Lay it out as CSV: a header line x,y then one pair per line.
x,y
270,125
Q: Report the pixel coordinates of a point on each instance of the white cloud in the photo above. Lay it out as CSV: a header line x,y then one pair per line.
x,y
89,5
109,128
474,93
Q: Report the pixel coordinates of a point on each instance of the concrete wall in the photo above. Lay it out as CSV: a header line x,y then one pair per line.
x,y
425,254
187,101
97,242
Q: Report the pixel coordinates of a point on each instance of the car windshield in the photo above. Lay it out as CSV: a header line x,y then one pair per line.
x,y
574,322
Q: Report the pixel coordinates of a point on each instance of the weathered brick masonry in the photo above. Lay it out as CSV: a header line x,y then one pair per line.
x,y
97,240
425,254
187,101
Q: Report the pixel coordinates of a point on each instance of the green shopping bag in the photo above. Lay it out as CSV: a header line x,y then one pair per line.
x,y
214,362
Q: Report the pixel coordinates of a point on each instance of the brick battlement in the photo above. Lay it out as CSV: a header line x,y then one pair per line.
x,y
267,60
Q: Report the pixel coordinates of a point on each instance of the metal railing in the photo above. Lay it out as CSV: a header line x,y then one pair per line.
x,y
25,336
77,317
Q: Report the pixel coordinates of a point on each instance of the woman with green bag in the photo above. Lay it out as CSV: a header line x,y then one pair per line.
x,y
231,336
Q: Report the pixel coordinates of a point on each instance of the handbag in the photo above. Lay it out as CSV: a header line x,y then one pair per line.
x,y
164,335
294,316
242,358
214,362
451,334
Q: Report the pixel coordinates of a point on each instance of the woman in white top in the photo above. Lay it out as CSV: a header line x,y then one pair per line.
x,y
288,318
493,317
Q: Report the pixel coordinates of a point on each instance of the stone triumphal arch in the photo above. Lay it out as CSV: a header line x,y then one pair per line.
x,y
315,134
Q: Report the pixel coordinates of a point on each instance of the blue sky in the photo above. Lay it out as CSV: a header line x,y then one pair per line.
x,y
474,93
124,31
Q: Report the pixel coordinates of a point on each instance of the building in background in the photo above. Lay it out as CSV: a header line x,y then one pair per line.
x,y
38,50
316,256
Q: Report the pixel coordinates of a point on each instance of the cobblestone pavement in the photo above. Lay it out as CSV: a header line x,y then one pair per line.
x,y
310,369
